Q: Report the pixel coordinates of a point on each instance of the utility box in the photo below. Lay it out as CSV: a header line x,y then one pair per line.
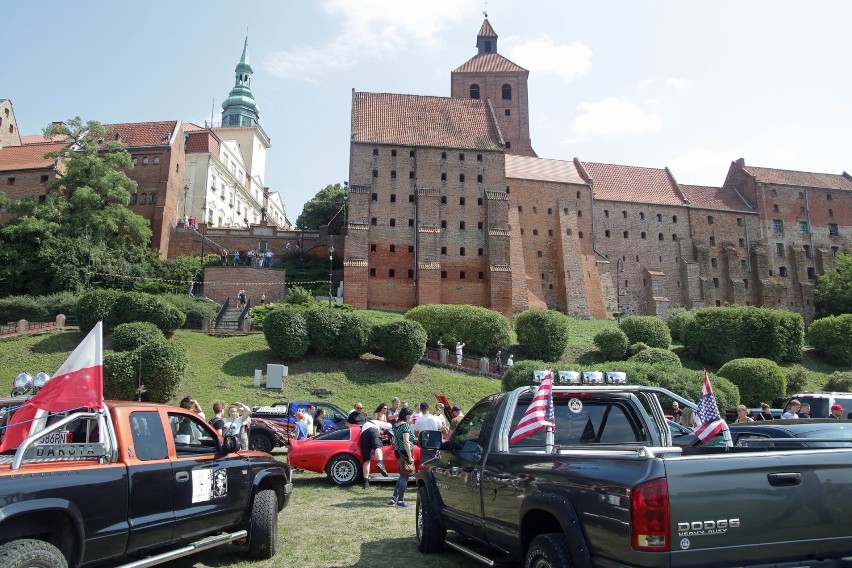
x,y
275,376
258,377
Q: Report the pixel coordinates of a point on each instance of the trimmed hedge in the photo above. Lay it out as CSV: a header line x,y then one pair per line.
x,y
677,319
483,331
299,296
37,308
636,348
115,307
656,356
717,335
129,336
323,330
758,379
193,309
649,330
286,332
832,336
121,375
97,305
612,342
337,332
355,334
162,363
839,381
400,342
258,313
542,334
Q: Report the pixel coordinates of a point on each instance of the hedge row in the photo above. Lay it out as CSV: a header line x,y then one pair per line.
x,y
37,308
115,307
759,380
832,336
129,336
162,364
650,330
542,334
483,331
717,335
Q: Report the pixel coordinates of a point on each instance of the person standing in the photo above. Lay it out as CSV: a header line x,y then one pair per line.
x,y
459,352
309,419
190,403
393,410
371,446
357,415
793,409
457,417
404,451
510,361
319,422
236,257
805,410
268,256
224,257
217,421
499,363
836,412
742,415
381,413
236,423
677,413
430,422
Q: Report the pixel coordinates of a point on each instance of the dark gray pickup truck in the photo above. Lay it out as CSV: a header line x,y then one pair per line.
x,y
612,491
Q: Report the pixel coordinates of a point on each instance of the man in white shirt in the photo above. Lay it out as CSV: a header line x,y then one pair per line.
x,y
428,422
309,419
371,445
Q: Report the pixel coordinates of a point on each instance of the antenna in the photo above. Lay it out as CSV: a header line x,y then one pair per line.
x,y
212,110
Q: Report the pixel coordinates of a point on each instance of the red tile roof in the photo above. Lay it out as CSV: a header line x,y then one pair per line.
x,y
489,63
412,120
716,198
486,29
136,134
542,169
800,179
633,183
27,157
36,139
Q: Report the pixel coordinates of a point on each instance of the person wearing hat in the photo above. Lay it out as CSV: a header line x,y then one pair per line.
x,y
457,417
836,412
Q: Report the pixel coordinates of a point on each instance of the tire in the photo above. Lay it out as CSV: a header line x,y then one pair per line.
x,y
430,534
549,550
261,442
29,553
263,532
344,470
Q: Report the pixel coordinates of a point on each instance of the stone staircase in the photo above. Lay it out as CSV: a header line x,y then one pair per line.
x,y
229,321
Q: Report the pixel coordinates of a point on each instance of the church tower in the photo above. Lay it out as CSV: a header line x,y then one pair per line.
x,y
489,75
239,109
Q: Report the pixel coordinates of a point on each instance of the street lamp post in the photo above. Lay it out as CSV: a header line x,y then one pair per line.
x,y
330,258
185,192
203,220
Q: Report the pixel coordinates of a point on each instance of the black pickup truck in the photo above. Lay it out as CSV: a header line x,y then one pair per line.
x,y
610,490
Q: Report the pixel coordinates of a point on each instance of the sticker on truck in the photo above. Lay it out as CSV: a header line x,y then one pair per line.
x,y
208,484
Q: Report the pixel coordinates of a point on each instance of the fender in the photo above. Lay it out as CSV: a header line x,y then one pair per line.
x,y
562,509
280,476
9,514
427,481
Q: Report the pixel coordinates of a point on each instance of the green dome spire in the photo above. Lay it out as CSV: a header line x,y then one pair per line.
x,y
240,109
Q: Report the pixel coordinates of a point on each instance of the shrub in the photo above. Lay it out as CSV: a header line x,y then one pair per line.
x,y
482,330
612,342
258,313
135,306
286,333
832,336
797,377
97,305
193,309
656,356
323,329
400,342
129,336
635,348
354,337
300,296
677,319
646,329
163,366
839,381
757,379
121,375
37,308
717,335
542,334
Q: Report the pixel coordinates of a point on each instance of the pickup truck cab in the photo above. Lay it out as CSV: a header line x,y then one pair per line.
x,y
134,481
610,490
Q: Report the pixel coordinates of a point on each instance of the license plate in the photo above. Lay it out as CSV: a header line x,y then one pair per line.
x,y
58,437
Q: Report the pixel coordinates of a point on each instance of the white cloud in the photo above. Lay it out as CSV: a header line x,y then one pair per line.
x,y
646,84
370,29
679,84
542,56
613,117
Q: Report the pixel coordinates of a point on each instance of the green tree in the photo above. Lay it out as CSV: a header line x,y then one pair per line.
x,y
326,207
833,292
83,226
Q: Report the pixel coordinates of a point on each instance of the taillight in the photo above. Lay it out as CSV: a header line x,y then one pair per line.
x,y
649,516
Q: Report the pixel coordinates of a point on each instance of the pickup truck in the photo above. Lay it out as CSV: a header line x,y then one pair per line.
x,y
610,490
134,482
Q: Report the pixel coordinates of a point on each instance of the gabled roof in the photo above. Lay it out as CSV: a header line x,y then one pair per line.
x,y
135,134
412,120
489,63
614,182
717,198
801,179
542,169
28,157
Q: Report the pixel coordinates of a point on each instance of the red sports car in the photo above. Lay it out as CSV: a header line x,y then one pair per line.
x,y
338,454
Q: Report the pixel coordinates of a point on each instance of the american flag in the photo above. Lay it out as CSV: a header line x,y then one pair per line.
x,y
707,415
539,413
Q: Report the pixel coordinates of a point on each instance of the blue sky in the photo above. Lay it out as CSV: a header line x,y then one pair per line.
x,y
689,85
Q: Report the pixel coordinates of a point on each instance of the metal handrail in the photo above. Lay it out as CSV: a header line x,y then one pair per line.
x,y
243,314
222,311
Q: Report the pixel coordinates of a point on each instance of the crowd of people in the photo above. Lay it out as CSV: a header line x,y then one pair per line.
x,y
256,258
498,358
236,422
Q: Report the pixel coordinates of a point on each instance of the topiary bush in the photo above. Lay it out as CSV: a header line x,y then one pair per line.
x,y
649,330
612,342
483,331
136,306
717,335
323,329
121,375
194,309
677,319
163,366
258,313
635,348
129,336
542,334
839,381
400,342
354,337
656,356
832,336
797,377
97,305
286,333
757,379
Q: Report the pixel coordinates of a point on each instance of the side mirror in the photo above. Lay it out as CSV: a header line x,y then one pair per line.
x,y
230,445
338,417
430,439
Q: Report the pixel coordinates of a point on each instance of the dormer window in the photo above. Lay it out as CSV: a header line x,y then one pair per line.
x,y
474,91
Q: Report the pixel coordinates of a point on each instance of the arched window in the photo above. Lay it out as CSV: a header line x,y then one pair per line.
x,y
133,199
152,199
507,92
474,91
143,198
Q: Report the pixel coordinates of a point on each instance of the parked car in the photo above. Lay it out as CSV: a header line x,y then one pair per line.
x,y
285,412
790,433
681,435
338,454
264,434
821,403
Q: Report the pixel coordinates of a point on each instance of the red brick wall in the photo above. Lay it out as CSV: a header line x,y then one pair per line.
x,y
188,242
221,283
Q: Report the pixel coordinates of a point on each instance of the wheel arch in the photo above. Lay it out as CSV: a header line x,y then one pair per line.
x,y
548,513
56,521
427,481
274,478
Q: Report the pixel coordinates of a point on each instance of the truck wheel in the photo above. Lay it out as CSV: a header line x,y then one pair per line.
x,y
549,550
260,442
430,533
343,470
29,553
263,534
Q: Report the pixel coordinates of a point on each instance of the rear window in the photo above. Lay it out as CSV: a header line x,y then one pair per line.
x,y
339,434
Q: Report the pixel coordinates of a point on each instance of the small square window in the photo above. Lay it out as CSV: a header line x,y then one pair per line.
x,y
411,198
779,249
375,173
626,234
391,273
374,221
550,232
393,174
461,200
461,157
411,222
375,151
579,234
373,248
811,273
410,249
709,219
443,274
479,157
831,212
538,253
392,248
778,225
373,272
775,207
410,273
479,178
443,224
461,251
393,198
739,221
145,161
742,243
642,235
713,262
479,202
461,225
520,208
482,276
375,197
833,230
461,275
461,178
443,200
444,176
411,153
712,241
674,218
156,160
443,155
782,271
550,211
535,232
480,252
410,175
443,251
393,222
43,179
480,225
607,234
606,213
393,153
508,112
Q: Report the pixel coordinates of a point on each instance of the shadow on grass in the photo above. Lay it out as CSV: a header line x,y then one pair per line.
x,y
367,370
58,342
244,364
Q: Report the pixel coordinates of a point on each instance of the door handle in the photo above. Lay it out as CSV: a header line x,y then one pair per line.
x,y
784,479
182,476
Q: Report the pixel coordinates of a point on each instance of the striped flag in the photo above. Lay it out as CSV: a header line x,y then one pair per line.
x,y
707,415
539,413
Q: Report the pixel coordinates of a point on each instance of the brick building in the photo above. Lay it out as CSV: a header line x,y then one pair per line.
x,y
584,238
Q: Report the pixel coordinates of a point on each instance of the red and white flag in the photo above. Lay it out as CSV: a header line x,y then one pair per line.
x,y
539,413
79,383
707,416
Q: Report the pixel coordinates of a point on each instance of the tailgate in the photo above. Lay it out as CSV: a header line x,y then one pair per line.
x,y
760,507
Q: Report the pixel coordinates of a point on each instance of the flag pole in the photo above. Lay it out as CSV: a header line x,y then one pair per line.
x,y
548,440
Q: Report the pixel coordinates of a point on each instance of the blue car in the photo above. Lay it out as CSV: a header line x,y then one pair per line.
x,y
285,412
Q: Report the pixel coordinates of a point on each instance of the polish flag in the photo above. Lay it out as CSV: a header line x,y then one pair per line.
x,y
79,383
